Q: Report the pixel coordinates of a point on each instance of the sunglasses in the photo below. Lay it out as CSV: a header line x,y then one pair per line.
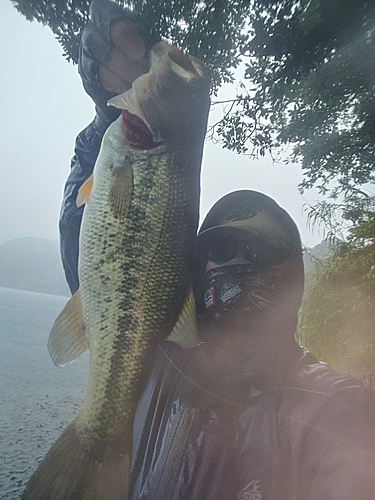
x,y
225,249
222,248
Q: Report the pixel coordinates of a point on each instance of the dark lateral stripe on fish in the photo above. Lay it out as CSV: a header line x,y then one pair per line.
x,y
123,343
138,228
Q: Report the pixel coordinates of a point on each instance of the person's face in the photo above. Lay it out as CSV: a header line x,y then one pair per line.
x,y
248,288
222,252
222,346
219,255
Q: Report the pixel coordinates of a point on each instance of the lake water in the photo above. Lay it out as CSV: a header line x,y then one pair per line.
x,y
37,399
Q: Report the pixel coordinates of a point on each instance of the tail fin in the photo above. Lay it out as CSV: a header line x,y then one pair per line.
x,y
70,471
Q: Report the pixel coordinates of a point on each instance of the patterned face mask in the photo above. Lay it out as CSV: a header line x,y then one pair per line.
x,y
239,285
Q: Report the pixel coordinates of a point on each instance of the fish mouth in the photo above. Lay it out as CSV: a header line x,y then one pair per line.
x,y
135,127
136,133
157,97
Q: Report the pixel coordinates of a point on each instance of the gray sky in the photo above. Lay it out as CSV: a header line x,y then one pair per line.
x,y
43,107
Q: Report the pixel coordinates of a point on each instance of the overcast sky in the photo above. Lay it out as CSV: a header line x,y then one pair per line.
x,y
43,107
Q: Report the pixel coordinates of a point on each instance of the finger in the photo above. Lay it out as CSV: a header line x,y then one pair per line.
x,y
113,82
126,38
124,67
95,44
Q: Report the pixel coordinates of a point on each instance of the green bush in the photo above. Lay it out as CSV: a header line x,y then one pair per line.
x,y
337,318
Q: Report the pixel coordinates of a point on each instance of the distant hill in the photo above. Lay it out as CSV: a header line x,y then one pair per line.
x,y
32,264
313,255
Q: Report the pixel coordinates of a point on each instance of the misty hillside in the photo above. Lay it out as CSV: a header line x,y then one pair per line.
x,y
32,264
313,255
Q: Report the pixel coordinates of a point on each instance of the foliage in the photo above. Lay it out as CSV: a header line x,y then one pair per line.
x,y
309,82
211,30
337,318
354,210
309,73
66,18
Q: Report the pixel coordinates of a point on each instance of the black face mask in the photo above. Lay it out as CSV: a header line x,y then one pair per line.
x,y
239,285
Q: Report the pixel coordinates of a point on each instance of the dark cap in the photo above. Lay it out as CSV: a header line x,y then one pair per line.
x,y
254,218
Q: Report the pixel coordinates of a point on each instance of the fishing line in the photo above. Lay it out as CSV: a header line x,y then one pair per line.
x,y
192,381
269,389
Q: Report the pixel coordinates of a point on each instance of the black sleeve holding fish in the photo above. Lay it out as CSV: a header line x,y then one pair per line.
x,y
95,50
86,151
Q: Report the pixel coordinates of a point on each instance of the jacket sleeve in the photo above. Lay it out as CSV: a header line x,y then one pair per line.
x,y
95,46
339,453
85,153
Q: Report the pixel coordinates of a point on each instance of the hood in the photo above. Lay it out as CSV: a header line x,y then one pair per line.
x,y
240,349
266,228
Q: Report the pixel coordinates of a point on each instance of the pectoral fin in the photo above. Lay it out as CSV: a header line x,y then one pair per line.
x,y
84,191
185,333
67,339
121,190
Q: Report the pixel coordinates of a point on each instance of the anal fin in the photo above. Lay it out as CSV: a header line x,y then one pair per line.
x,y
67,339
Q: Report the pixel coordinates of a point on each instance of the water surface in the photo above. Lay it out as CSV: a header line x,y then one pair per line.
x,y
37,399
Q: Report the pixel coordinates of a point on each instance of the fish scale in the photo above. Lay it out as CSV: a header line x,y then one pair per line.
x,y
129,294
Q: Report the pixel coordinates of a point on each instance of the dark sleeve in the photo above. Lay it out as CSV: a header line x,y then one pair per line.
x,y
85,153
339,452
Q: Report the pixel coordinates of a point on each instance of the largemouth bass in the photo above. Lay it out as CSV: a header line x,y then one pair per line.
x,y
136,248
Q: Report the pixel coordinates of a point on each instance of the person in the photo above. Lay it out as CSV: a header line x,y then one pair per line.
x,y
113,53
248,414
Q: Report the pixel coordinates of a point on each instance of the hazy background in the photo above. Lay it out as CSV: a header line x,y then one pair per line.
x,y
43,107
